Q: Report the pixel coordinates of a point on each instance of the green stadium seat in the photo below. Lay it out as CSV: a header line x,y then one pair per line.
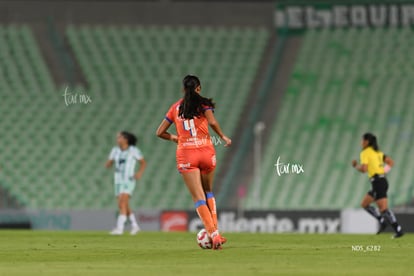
x,y
133,76
345,82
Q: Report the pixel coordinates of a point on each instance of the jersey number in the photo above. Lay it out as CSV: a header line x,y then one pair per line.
x,y
190,126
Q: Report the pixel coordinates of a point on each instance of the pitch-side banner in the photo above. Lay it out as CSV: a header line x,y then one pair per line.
x,y
73,220
257,221
350,221
298,15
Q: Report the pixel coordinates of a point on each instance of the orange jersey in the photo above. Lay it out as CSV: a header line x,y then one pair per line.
x,y
192,133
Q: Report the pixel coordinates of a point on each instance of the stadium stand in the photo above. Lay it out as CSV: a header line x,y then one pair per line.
x,y
345,82
133,75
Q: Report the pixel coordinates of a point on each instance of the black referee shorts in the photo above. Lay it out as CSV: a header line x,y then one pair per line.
x,y
379,187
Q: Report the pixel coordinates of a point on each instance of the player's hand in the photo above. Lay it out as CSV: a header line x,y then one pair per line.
x,y
227,141
174,138
354,163
138,175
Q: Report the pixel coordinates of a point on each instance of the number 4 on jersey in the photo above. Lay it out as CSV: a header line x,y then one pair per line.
x,y
190,126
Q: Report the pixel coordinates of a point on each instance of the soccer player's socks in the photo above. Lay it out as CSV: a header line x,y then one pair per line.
x,y
133,220
211,203
390,217
121,222
204,213
373,212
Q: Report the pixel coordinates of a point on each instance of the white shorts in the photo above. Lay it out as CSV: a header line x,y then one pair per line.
x,y
127,187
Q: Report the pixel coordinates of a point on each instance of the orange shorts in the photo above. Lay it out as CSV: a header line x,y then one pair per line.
x,y
203,159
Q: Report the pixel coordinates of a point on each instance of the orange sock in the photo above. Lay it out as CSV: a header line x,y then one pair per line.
x,y
211,203
205,216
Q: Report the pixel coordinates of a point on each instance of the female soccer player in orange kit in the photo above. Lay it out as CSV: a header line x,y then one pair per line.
x,y
196,156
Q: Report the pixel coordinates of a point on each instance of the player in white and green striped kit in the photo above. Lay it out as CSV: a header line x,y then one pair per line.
x,y
124,157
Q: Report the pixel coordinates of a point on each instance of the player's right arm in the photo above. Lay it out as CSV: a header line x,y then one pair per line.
x,y
110,160
109,163
363,166
216,127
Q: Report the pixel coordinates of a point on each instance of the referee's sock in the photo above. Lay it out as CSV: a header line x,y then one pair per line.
x,y
391,219
374,212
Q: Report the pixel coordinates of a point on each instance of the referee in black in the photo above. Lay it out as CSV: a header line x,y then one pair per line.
x,y
377,164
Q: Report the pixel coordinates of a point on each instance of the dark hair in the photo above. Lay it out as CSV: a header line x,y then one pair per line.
x,y
131,138
193,102
372,140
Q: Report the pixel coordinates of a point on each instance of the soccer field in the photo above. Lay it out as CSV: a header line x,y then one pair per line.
x,y
96,253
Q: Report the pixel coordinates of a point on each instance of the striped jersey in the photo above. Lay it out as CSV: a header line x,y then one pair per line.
x,y
125,161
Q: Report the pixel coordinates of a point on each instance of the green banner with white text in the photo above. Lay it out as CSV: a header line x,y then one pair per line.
x,y
300,15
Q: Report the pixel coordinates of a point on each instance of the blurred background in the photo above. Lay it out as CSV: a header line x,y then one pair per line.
x,y
294,81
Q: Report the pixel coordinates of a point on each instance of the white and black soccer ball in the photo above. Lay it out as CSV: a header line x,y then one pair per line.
x,y
204,240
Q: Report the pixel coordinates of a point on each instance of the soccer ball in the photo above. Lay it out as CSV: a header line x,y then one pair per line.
x,y
204,240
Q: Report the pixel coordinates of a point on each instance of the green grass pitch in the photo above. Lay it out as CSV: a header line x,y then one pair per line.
x,y
97,253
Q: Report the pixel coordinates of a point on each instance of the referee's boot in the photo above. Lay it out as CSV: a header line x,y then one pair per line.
x,y
398,231
382,225
398,235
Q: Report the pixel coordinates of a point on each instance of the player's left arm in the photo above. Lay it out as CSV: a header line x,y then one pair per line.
x,y
388,160
216,126
142,166
164,134
389,163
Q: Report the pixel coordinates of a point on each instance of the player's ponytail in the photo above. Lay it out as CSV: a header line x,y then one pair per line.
x,y
372,140
193,103
131,138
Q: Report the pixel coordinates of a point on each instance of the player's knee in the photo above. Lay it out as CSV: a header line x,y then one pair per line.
x,y
382,208
124,201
